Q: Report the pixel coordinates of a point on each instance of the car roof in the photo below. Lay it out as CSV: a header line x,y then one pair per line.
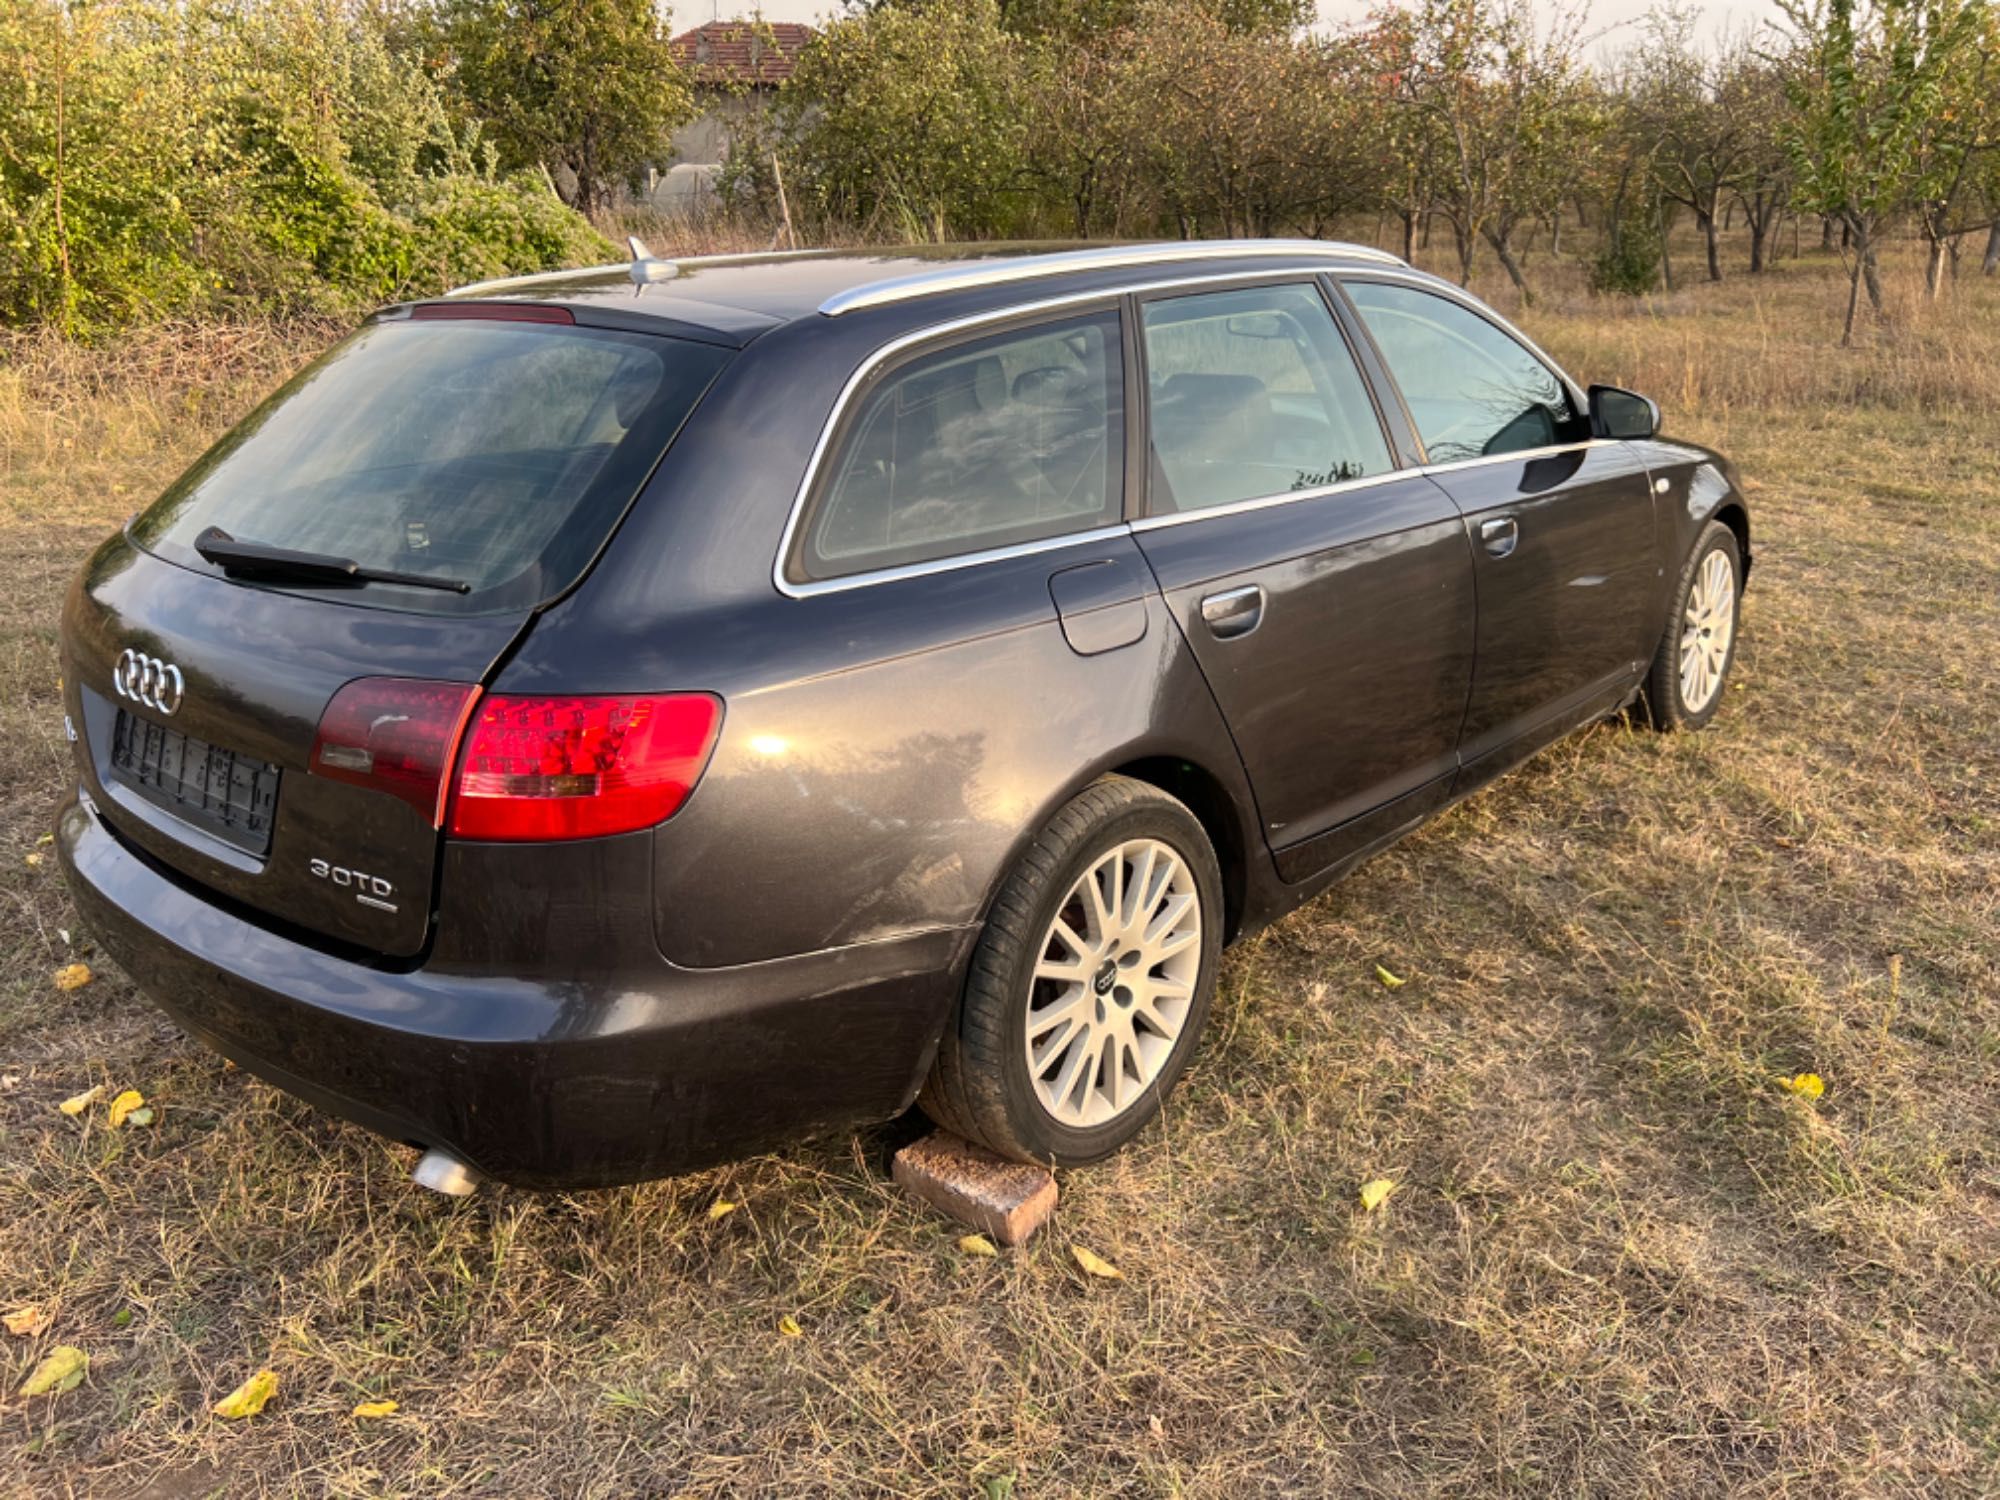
x,y
733,298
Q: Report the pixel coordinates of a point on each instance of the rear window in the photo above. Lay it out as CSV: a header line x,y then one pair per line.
x,y
496,453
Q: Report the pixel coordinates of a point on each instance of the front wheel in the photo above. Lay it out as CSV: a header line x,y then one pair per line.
x,y
1691,667
1090,984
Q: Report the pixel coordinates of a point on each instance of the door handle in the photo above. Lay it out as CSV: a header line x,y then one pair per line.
x,y
1499,537
1234,612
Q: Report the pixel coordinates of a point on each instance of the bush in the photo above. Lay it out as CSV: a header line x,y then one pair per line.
x,y
1629,264
177,157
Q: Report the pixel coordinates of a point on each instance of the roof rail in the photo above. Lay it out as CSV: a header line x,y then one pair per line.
x,y
1027,267
660,268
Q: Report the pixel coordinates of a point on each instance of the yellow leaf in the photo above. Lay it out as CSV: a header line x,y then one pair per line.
x,y
61,1370
721,1208
72,976
368,1410
789,1327
1389,981
1096,1264
26,1322
1375,1192
1805,1085
977,1244
76,1104
124,1104
248,1398
33,861
46,839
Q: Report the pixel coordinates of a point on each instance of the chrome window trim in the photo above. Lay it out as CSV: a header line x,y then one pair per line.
x,y
1001,271
624,268
953,563
813,588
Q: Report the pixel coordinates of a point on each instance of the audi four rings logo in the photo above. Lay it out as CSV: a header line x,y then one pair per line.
x,y
148,680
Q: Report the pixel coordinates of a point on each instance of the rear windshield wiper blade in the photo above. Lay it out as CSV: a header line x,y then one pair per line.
x,y
255,559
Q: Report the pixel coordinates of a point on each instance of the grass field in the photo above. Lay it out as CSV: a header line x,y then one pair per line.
x,y
1620,1260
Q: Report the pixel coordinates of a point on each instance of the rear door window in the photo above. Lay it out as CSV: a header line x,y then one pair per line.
x,y
1010,438
1253,393
493,452
1473,390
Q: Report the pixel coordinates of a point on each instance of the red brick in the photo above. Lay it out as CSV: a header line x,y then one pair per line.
x,y
1006,1199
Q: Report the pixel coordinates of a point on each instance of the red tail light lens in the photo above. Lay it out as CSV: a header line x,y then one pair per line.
x,y
572,768
394,735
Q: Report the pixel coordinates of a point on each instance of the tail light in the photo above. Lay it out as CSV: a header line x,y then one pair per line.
x,y
394,735
568,768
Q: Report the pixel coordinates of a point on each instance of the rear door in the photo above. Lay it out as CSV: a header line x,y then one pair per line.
x,y
1560,525
489,453
1327,596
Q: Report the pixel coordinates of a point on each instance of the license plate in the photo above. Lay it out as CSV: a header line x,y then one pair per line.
x,y
227,795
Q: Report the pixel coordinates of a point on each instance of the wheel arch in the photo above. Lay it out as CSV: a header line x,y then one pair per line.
x,y
1736,516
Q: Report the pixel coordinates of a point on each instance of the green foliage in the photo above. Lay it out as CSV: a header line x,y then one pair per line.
x,y
910,121
1629,263
160,158
589,85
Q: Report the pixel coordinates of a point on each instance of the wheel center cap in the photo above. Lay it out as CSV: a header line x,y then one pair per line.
x,y
1107,975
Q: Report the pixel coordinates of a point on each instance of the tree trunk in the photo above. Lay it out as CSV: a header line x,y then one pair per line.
x,y
1991,265
1505,252
1758,229
1868,276
1714,248
1826,234
1853,299
1666,260
1465,243
1409,217
1933,268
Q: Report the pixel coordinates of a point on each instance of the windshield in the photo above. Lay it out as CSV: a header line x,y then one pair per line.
x,y
497,454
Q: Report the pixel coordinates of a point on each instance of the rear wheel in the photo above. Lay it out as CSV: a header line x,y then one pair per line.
x,y
1691,667
1091,983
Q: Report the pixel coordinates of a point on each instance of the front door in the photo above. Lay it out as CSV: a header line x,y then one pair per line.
x,y
1328,598
1560,525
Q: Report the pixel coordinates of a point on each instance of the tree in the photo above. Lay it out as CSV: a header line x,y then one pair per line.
x,y
910,119
1704,135
1864,79
1510,111
587,85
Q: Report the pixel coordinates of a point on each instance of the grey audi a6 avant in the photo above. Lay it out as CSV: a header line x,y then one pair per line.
x,y
592,725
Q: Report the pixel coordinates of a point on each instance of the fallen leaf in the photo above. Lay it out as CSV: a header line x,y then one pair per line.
x,y
62,1369
721,1208
1375,1192
46,839
977,1244
72,976
10,1081
33,861
123,1106
1096,1264
122,1318
1805,1085
369,1410
76,1104
1155,1426
248,1398
143,1115
789,1327
26,1322
1389,981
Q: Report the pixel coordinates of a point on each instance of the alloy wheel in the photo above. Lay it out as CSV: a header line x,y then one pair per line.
x,y
1708,625
1114,982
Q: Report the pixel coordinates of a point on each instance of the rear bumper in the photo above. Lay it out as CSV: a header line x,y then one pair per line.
x,y
587,1081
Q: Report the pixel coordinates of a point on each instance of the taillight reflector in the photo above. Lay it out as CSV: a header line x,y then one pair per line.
x,y
394,735
567,768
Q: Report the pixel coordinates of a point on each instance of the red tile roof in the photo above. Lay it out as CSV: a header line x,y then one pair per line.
x,y
760,54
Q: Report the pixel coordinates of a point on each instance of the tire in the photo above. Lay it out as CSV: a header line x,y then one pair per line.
x,y
983,1084
1674,699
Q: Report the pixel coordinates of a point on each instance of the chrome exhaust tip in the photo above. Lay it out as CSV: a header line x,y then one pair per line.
x,y
442,1172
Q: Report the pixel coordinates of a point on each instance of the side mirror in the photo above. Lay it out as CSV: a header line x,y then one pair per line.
x,y
1622,414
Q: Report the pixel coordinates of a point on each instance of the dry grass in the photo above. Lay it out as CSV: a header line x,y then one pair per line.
x,y
1621,1259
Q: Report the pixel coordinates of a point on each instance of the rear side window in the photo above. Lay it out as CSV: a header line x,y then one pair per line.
x,y
1254,393
1472,389
496,453
1007,439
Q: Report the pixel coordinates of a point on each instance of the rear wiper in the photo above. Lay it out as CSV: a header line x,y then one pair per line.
x,y
255,559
